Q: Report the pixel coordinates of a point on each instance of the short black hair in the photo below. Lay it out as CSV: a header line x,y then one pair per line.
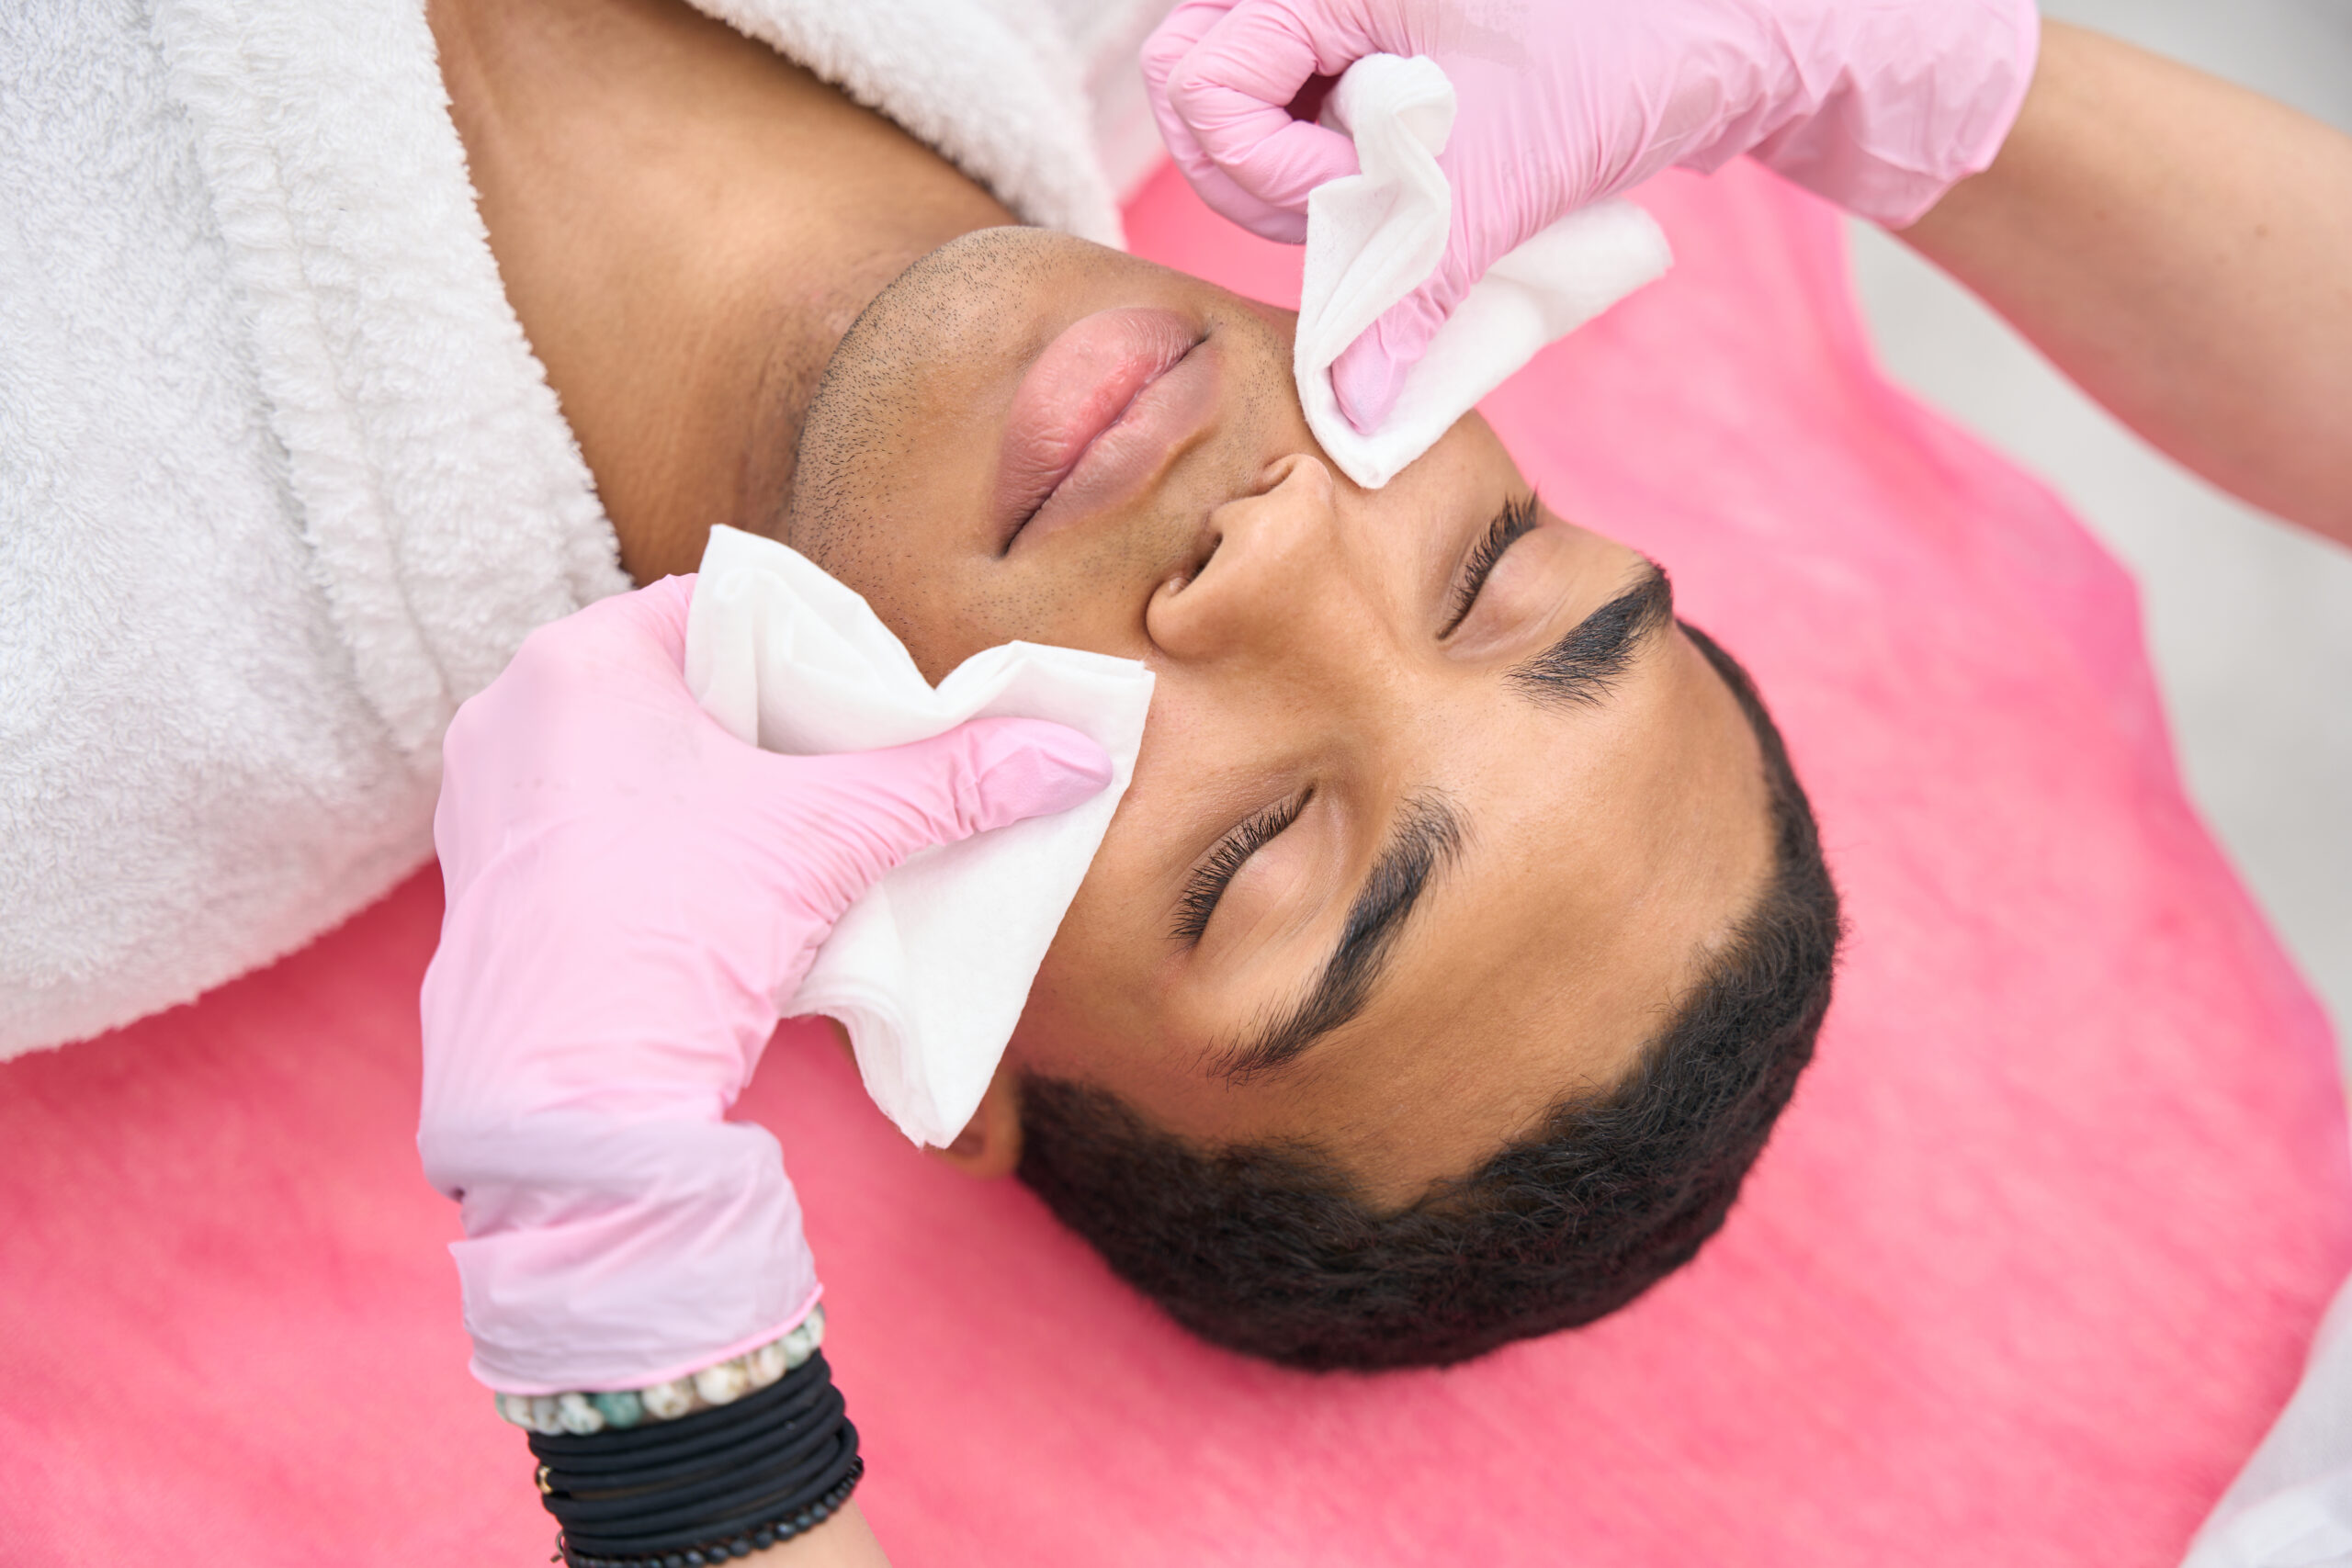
x,y
1267,1250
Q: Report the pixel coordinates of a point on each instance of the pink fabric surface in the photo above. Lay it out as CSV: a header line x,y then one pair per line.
x,y
2027,1272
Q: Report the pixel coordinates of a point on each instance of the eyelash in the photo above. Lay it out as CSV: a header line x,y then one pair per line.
x,y
1516,519
1207,883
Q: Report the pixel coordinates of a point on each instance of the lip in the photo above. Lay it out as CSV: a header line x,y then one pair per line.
x,y
1097,416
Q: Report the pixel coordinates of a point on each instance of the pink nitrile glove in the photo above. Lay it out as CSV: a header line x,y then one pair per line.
x,y
632,895
1880,106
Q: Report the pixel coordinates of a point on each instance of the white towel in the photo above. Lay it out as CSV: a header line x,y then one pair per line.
x,y
998,87
280,484
930,968
1374,237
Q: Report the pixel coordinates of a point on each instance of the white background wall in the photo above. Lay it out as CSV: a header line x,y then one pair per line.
x,y
2250,621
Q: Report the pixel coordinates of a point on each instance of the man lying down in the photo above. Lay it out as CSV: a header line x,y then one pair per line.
x,y
1463,929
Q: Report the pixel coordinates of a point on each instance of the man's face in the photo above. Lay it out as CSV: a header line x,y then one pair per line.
x,y
1404,864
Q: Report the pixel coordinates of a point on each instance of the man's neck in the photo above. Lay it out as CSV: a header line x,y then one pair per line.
x,y
686,224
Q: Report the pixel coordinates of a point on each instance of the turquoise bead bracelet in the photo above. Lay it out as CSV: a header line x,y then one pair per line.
x,y
582,1413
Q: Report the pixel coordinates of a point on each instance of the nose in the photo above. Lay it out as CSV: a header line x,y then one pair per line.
x,y
1272,577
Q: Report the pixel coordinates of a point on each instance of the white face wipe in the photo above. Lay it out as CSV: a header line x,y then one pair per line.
x,y
930,968
1374,237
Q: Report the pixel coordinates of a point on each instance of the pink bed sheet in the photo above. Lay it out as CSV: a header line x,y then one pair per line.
x,y
2025,1275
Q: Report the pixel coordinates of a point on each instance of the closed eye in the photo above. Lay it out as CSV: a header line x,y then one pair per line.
x,y
1514,523
1206,886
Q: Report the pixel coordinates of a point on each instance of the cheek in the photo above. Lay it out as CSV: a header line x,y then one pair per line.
x,y
1083,1004
1054,1022
940,602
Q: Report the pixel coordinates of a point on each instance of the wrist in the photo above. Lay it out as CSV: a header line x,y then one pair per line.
x,y
764,1469
1894,105
845,1540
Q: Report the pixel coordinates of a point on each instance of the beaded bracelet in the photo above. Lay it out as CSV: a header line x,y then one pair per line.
x,y
581,1414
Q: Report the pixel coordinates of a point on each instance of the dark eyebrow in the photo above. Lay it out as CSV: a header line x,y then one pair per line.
x,y
1427,836
1582,669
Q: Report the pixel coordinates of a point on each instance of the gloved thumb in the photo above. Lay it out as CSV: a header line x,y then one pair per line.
x,y
878,807
1371,371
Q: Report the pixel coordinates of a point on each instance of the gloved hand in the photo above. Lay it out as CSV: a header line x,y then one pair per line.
x,y
632,893
1879,107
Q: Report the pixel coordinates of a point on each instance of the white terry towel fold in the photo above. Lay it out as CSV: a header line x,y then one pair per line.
x,y
1374,237
281,482
929,967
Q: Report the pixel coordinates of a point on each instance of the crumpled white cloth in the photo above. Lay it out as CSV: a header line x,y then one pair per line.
x,y
1374,237
929,970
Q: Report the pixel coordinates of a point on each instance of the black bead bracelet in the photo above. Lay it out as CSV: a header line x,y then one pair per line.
x,y
706,1488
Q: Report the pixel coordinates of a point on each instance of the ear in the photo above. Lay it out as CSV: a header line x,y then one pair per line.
x,y
990,1143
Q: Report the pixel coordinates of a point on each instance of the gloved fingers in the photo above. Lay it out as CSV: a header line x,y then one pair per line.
x,y
1280,171
1228,200
1174,38
1168,45
878,807
1371,371
1228,94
